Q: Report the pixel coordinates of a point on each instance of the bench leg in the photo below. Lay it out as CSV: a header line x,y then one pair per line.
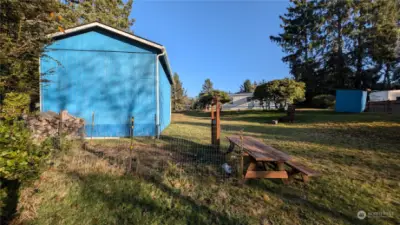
x,y
305,178
252,167
292,173
281,167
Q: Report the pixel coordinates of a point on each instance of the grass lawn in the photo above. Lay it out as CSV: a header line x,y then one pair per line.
x,y
357,154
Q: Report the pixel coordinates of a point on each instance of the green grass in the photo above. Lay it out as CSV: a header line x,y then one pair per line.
x,y
357,154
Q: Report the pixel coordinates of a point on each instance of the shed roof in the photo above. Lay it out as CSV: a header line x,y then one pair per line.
x,y
242,94
160,48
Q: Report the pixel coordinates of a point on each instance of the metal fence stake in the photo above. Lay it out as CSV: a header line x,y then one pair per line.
x,y
131,145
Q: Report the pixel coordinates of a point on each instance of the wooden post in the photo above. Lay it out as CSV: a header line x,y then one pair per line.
x,y
217,123
212,110
241,156
212,125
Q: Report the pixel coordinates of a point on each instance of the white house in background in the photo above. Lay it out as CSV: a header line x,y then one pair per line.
x,y
378,96
244,101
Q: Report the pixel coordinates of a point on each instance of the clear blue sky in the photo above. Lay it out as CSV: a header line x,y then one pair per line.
x,y
226,41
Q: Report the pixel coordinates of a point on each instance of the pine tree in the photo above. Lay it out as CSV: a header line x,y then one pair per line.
x,y
207,87
179,97
336,29
341,43
301,40
385,38
113,13
246,87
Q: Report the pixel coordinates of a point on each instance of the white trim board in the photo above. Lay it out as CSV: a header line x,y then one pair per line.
x,y
97,24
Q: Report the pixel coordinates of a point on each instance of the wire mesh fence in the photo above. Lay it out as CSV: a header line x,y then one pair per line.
x,y
151,156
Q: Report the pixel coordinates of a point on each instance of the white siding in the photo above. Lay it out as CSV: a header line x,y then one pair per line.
x,y
378,96
244,101
384,95
393,95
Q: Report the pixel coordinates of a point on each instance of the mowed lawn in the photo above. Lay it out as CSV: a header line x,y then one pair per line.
x,y
357,154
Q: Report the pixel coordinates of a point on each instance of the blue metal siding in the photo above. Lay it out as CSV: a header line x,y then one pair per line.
x,y
350,101
113,85
165,99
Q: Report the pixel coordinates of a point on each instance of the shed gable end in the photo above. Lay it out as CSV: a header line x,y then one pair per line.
x,y
97,39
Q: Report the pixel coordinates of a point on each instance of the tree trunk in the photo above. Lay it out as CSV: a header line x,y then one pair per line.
x,y
387,76
358,80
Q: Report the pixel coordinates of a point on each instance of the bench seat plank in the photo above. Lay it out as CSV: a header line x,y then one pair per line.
x,y
302,168
266,174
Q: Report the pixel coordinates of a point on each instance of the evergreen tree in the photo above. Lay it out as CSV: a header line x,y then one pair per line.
x,y
207,87
335,31
341,43
246,87
23,27
301,40
179,97
385,38
25,24
114,13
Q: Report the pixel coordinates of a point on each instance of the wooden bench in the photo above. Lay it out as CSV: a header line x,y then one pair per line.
x,y
304,171
260,153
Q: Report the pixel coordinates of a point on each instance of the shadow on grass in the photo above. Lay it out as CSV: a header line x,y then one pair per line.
x,y
317,116
292,195
8,210
131,200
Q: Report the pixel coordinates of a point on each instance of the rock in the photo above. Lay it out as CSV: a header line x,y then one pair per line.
x,y
47,124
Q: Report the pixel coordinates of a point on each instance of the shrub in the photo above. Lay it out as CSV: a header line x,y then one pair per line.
x,y
14,105
20,158
324,101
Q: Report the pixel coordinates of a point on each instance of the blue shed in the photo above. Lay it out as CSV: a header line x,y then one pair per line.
x,y
95,68
353,101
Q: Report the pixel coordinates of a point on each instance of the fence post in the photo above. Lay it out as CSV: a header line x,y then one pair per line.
x,y
91,132
217,123
212,126
241,155
131,145
60,125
